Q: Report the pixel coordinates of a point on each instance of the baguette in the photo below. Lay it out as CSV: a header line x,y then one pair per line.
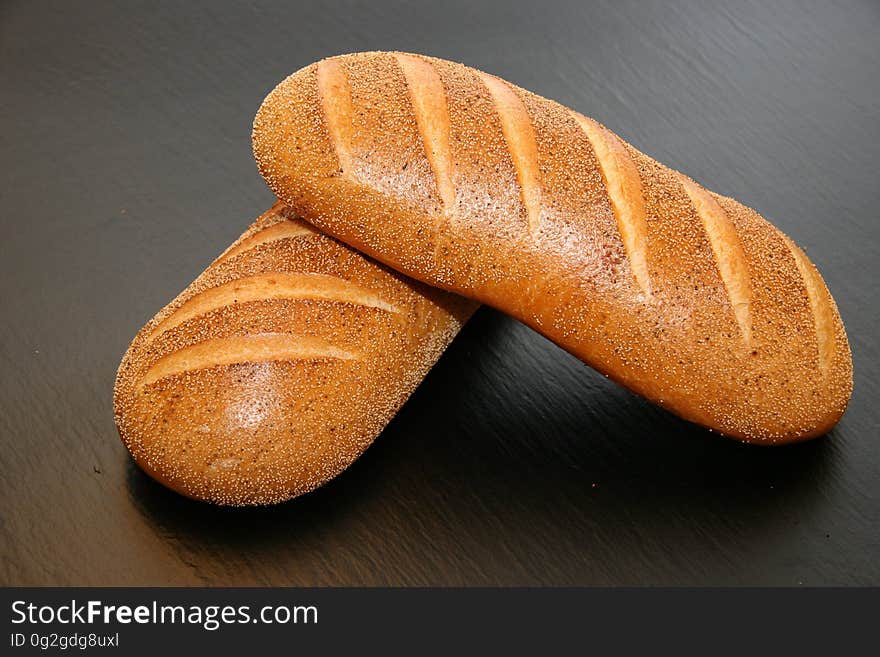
x,y
466,182
278,366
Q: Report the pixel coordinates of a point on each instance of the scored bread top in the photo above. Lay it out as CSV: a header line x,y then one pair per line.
x,y
469,183
278,366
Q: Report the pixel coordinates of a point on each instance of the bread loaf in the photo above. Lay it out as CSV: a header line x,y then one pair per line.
x,y
469,183
278,366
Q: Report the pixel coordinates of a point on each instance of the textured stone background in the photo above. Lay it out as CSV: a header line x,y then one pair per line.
x,y
125,167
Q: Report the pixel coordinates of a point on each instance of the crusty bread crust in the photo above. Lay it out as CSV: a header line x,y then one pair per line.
x,y
278,366
469,183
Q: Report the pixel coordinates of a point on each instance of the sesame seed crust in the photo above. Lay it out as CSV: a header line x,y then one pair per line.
x,y
701,306
259,399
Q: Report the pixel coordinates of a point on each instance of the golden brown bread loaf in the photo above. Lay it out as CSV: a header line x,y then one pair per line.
x,y
469,183
278,366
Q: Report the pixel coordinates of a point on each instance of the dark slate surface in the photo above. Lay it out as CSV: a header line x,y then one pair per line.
x,y
125,167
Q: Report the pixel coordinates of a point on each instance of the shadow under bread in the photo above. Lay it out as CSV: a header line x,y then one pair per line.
x,y
525,447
